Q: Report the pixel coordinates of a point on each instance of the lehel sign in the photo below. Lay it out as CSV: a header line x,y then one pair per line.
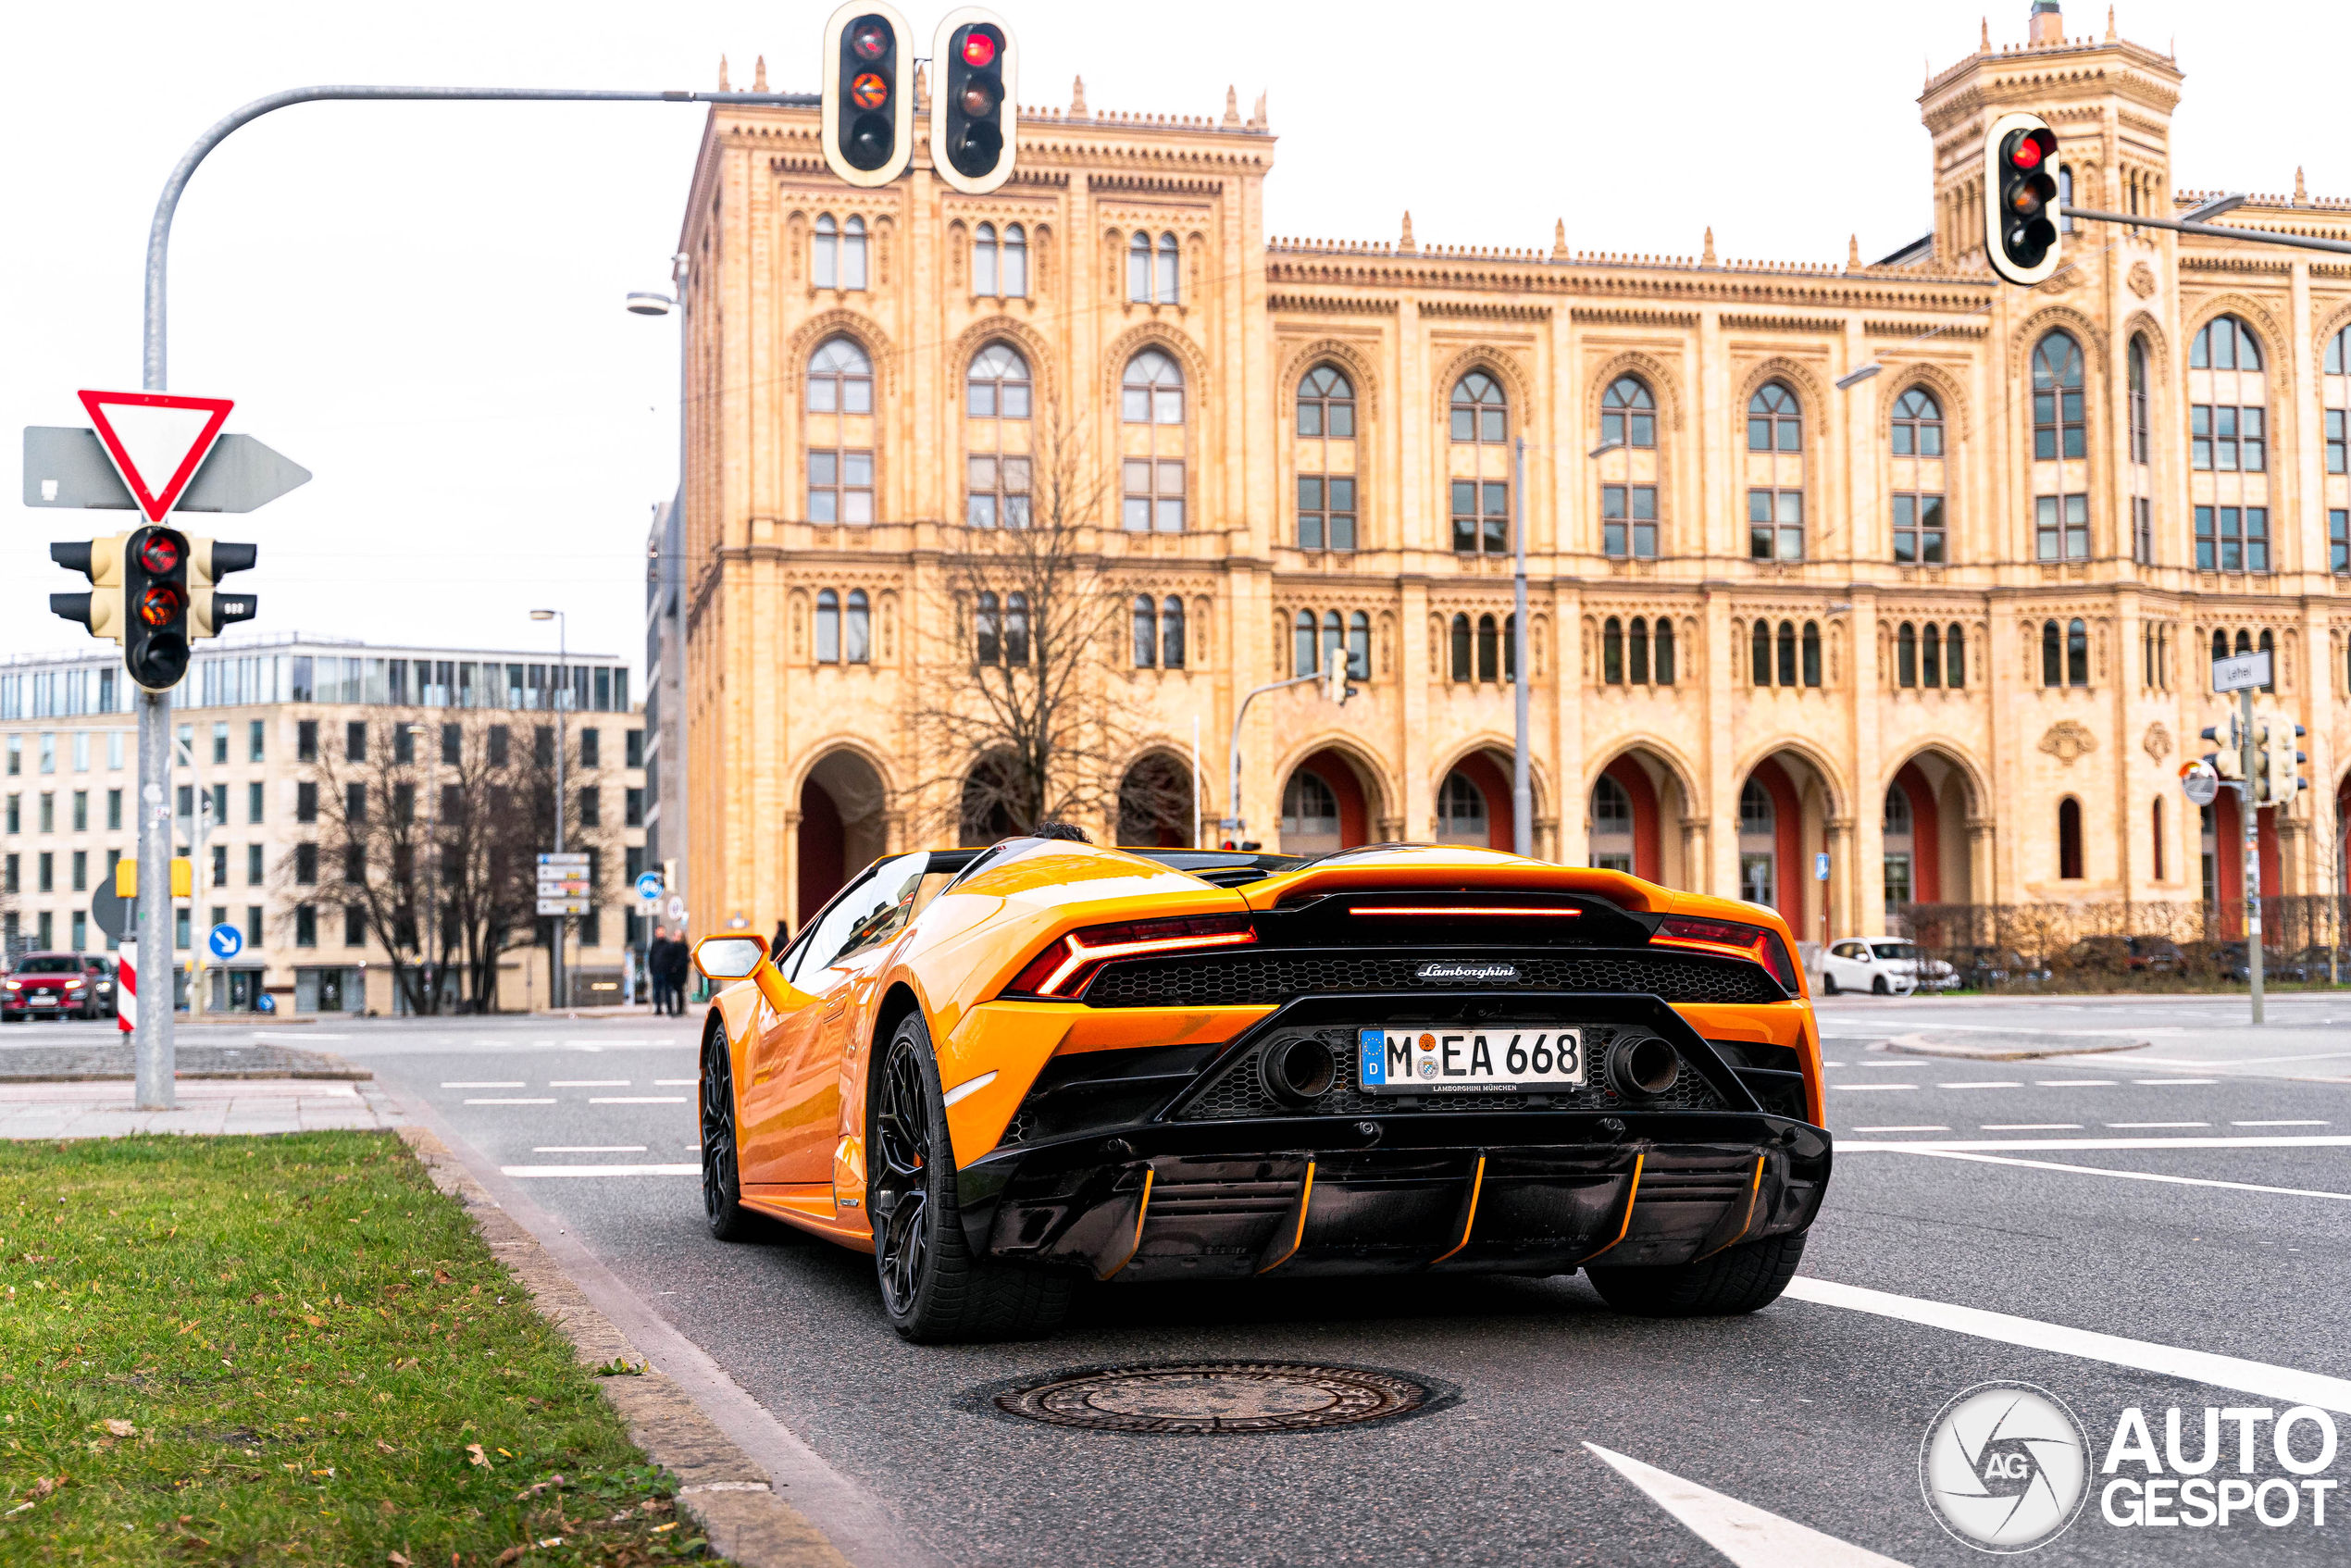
x,y
2242,672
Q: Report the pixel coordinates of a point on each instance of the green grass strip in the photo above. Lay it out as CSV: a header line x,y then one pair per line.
x,y
290,1350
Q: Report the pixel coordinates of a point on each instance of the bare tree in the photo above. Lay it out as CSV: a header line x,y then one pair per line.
x,y
1017,718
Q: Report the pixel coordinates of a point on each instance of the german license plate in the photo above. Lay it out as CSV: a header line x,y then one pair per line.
x,y
1424,1060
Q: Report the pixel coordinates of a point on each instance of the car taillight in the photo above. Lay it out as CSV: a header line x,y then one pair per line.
x,y
1063,969
1758,942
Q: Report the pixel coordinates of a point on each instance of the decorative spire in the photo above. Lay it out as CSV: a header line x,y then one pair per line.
x,y
723,86
1986,47
2301,192
2110,24
1707,259
922,88
1232,105
1853,251
1257,116
759,75
1405,246
1559,240
1078,99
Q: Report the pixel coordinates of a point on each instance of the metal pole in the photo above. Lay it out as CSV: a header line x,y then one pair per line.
x,y
2246,750
1521,791
151,1040
1233,755
562,994
2214,230
199,887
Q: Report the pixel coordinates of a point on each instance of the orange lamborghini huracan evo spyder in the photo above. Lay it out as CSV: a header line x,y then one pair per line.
x,y
1004,1070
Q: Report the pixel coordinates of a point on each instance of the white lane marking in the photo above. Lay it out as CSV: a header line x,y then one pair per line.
x,y
2280,1124
676,1083
590,1148
2152,1083
1826,1064
1857,1088
2072,1083
1984,1083
2122,1125
2289,1385
1903,1129
2136,1176
1741,1531
2172,1062
636,1100
2030,1126
2312,1140
969,1085
598,1170
510,1101
484,1085
587,1083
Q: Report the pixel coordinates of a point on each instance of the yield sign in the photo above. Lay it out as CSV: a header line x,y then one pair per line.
x,y
157,440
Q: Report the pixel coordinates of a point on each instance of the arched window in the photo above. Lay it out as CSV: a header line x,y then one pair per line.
x,y
1628,414
2337,394
996,389
2077,654
1334,640
1787,653
2220,646
2053,655
1488,650
856,629
841,469
1775,419
2138,381
2057,429
1460,812
1310,814
1612,652
1482,506
1762,649
1637,653
1897,810
1755,809
2070,840
1359,645
1170,265
836,252
1612,819
1302,646
1918,485
1139,269
1152,394
2270,646
2228,423
828,626
1171,633
1015,279
1460,647
1326,505
1510,647
1146,632
1930,655
1665,651
1016,629
853,254
1812,653
988,643
2224,344
1906,655
984,259
2157,840
2245,640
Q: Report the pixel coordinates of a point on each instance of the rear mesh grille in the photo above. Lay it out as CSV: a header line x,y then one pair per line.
x,y
1241,979
1238,1093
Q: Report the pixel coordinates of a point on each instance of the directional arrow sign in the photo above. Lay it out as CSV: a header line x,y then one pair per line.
x,y
157,440
67,465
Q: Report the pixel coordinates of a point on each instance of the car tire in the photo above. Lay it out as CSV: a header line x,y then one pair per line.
x,y
934,1291
1828,984
1736,1279
722,1190
1879,988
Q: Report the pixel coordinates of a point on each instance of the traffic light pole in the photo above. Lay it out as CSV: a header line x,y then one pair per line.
x,y
2214,230
151,1043
2246,746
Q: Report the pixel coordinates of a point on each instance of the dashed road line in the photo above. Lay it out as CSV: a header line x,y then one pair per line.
x,y
511,1100
2073,1083
2310,1140
2153,1083
2280,1124
2149,1126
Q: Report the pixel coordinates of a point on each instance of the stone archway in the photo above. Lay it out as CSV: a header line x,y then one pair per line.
x,y
843,826
1326,805
1782,818
1924,820
1155,805
1637,799
1474,804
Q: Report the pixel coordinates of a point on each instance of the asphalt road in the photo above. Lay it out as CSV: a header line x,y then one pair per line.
x,y
2139,1217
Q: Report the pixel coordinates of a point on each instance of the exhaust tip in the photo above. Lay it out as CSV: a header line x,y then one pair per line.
x,y
1642,1067
1297,1072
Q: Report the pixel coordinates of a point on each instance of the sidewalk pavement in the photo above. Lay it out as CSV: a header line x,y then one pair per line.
x,y
104,1108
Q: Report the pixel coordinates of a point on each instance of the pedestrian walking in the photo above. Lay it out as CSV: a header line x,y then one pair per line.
x,y
678,958
657,969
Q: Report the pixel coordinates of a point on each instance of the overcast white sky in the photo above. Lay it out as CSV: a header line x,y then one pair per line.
x,y
421,303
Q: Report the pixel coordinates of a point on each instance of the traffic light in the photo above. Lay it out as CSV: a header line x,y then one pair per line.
x,y
209,560
2019,193
2279,761
868,120
155,594
100,560
2228,760
974,112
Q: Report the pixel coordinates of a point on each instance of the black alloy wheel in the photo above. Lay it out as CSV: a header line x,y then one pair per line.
x,y
1828,983
1879,988
934,1291
722,1192
1737,1279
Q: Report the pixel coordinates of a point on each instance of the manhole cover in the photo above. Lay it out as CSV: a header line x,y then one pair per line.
x,y
1217,1397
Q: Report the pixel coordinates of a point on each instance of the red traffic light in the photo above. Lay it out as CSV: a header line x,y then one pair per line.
x,y
160,553
2030,149
869,39
161,604
980,47
870,90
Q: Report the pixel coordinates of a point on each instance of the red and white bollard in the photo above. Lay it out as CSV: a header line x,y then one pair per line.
x,y
126,992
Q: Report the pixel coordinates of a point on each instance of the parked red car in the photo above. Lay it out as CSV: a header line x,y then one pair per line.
x,y
55,985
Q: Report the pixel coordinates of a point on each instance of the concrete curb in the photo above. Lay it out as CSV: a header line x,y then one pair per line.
x,y
719,1485
2023,1045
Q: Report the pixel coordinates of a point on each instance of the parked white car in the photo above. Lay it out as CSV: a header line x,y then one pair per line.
x,y
1883,966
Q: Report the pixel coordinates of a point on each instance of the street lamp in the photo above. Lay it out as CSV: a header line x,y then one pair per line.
x,y
562,691
644,302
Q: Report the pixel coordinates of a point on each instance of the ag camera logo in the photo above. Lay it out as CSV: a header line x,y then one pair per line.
x,y
2005,1467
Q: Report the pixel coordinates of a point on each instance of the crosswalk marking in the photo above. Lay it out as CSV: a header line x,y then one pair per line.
x,y
1749,1535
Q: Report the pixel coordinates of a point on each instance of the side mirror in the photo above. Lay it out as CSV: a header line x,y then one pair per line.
x,y
738,956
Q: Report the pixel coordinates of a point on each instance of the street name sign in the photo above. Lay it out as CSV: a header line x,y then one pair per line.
x,y
2242,671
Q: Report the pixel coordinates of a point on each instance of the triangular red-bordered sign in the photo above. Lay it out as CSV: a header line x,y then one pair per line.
x,y
157,440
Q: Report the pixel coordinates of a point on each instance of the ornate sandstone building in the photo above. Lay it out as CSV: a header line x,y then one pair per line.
x,y
1949,627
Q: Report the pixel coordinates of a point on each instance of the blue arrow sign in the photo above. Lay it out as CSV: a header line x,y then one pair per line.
x,y
225,941
649,886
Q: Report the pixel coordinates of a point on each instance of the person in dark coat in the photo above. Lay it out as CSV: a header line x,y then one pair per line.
x,y
676,961
657,967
